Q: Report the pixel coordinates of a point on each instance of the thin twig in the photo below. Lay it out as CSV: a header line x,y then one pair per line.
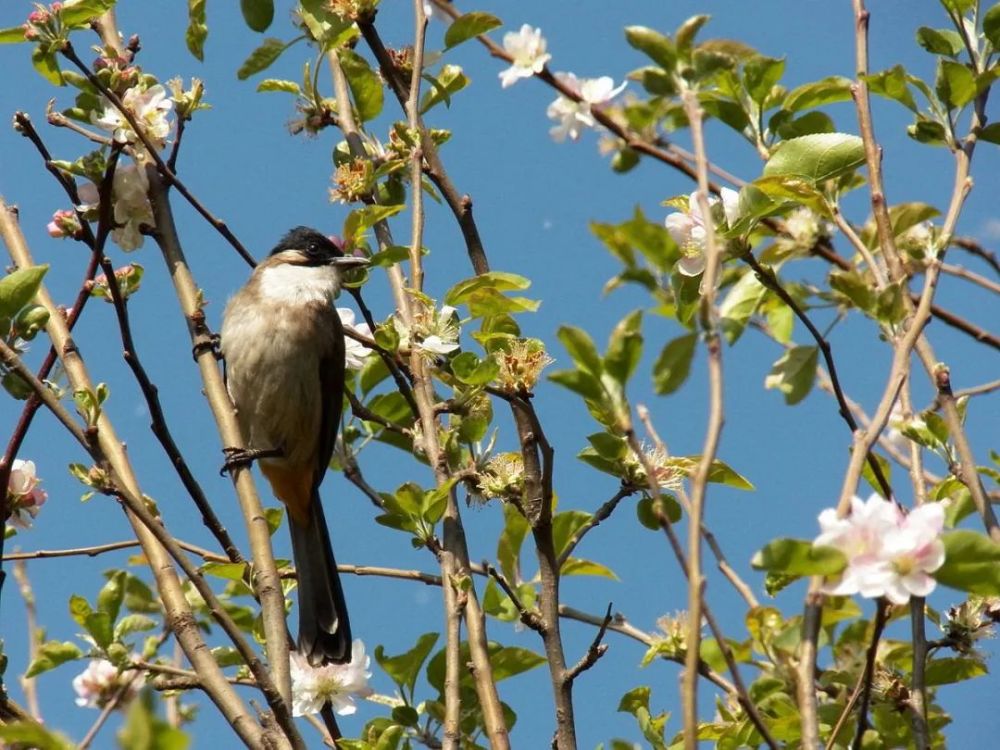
x,y
20,571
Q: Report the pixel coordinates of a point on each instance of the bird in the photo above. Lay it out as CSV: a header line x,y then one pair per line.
x,y
282,344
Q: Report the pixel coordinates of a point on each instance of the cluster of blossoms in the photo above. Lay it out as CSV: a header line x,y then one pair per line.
x,y
687,228
42,23
668,473
131,205
64,224
918,240
24,497
971,621
336,684
573,114
805,228
521,363
355,353
502,477
673,636
129,279
101,681
888,553
355,180
434,331
150,106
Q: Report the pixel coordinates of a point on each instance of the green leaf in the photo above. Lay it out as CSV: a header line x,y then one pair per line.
x,y
12,35
580,382
808,124
565,525
581,349
817,157
893,84
674,364
144,730
687,31
47,65
991,133
51,654
855,288
624,348
609,446
469,369
498,280
991,26
635,699
926,130
940,41
760,75
17,289
133,624
721,473
955,84
258,14
261,58
449,81
869,476
100,627
197,29
797,557
949,670
403,669
360,220
79,14
794,373
110,598
509,661
574,566
739,305
649,511
278,84
365,84
971,563
390,256
511,538
470,25
818,94
29,733
653,44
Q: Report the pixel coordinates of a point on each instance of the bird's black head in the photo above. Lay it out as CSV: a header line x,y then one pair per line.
x,y
314,246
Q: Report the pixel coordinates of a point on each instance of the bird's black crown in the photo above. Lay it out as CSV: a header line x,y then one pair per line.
x,y
309,241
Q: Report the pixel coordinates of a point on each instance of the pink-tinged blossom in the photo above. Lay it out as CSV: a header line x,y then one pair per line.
x,y
129,191
888,554
355,353
573,117
528,56
150,107
688,229
101,681
64,224
24,497
336,684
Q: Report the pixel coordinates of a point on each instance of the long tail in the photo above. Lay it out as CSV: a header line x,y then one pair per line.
x,y
324,629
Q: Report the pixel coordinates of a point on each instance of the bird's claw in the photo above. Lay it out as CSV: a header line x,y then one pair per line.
x,y
243,458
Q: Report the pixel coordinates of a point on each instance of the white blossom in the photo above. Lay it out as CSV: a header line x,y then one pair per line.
x,y
688,229
571,116
528,56
24,497
888,554
433,331
150,107
100,681
336,684
355,353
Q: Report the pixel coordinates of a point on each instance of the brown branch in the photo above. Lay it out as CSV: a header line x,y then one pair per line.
x,y
972,247
594,652
881,617
529,617
603,513
28,686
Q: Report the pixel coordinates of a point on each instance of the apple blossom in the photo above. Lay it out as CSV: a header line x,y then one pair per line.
x,y
355,353
434,331
888,553
131,205
24,497
528,56
64,224
150,107
805,228
574,116
336,684
688,229
101,681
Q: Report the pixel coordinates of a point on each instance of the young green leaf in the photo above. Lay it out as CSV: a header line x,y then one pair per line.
x,y
624,348
258,14
653,44
468,26
261,58
818,94
365,84
796,557
674,364
18,288
971,563
197,29
51,654
817,157
403,669
794,373
581,349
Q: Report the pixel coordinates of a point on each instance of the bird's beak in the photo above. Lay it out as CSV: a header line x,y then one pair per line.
x,y
348,261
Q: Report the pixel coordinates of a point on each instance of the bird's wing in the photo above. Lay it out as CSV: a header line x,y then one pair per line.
x,y
331,380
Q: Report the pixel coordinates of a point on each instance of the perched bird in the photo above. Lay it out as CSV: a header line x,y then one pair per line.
x,y
283,345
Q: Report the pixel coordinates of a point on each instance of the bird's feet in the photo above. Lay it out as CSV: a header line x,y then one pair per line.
x,y
207,343
242,458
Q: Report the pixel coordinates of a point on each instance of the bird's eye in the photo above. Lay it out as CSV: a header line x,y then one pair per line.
x,y
312,248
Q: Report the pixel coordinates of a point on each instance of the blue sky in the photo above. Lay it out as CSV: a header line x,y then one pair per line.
x,y
533,201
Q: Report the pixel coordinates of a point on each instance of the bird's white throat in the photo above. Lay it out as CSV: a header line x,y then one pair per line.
x,y
292,284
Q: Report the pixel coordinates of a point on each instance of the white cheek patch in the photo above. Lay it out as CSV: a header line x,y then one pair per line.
x,y
292,284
